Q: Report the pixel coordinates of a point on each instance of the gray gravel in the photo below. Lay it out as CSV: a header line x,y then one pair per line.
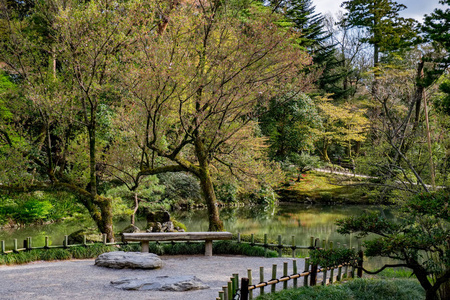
x,y
80,279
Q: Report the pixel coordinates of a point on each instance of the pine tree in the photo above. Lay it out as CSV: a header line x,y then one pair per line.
x,y
301,13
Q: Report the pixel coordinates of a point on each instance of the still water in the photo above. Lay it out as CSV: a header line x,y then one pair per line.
x,y
287,220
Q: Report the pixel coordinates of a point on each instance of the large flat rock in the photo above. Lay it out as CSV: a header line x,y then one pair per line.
x,y
161,283
131,260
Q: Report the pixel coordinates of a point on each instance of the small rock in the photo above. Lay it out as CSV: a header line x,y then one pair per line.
x,y
131,260
131,229
161,283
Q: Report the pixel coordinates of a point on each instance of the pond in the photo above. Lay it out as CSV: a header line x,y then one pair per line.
x,y
287,220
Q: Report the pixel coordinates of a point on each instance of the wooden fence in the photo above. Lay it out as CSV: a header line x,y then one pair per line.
x,y
309,276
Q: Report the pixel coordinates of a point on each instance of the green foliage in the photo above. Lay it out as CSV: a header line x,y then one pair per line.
x,y
80,252
361,289
419,238
287,123
226,192
332,257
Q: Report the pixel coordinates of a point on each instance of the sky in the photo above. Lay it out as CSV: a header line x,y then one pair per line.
x,y
415,8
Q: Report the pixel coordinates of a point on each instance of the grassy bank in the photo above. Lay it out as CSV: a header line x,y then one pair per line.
x,y
326,188
361,289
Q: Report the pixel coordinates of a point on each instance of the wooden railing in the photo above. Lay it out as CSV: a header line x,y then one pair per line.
x,y
243,289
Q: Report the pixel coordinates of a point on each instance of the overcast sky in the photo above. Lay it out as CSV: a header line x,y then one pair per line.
x,y
415,8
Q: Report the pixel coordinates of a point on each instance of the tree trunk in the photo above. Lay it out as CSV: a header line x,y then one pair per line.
x,y
105,225
215,224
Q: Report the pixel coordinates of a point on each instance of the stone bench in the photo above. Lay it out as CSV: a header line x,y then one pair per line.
x,y
145,238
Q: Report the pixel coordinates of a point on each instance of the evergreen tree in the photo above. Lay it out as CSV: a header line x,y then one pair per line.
x,y
387,31
301,13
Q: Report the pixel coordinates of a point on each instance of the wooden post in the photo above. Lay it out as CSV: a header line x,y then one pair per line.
x,y
239,237
265,244
15,246
244,288
25,244
313,279
305,281
324,281
331,275
46,242
316,243
280,247
66,241
261,279
230,290
294,271
30,243
360,263
345,271
274,276
324,244
3,247
285,273
311,242
293,246
250,282
252,239
105,239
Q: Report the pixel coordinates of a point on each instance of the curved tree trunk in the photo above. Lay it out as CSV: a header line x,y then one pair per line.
x,y
215,224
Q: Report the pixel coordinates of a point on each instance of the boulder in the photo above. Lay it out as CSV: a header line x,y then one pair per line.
x,y
77,237
161,283
131,229
131,260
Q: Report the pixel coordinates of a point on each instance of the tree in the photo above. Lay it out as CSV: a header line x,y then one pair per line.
x,y
287,124
387,31
419,239
341,124
68,77
195,89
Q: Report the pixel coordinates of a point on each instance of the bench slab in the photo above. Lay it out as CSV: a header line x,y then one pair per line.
x,y
208,237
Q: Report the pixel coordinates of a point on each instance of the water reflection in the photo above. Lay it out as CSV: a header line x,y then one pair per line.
x,y
287,220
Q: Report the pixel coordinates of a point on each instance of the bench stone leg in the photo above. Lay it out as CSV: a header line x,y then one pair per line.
x,y
144,246
208,247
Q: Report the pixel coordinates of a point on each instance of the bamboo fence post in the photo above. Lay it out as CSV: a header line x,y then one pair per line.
x,y
280,247
261,279
332,268
235,281
324,244
225,292
285,274
294,271
353,266
325,271
316,243
360,263
3,247
230,290
274,276
15,245
305,281
239,237
30,243
339,275
46,243
313,279
244,288
293,246
265,244
252,239
250,282
221,297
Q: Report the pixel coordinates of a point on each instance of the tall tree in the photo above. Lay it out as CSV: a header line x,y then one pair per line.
x,y
197,86
387,31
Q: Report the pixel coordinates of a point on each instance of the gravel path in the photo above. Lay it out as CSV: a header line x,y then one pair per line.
x,y
80,279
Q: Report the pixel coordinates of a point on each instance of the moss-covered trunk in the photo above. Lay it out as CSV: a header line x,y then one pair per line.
x,y
215,224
